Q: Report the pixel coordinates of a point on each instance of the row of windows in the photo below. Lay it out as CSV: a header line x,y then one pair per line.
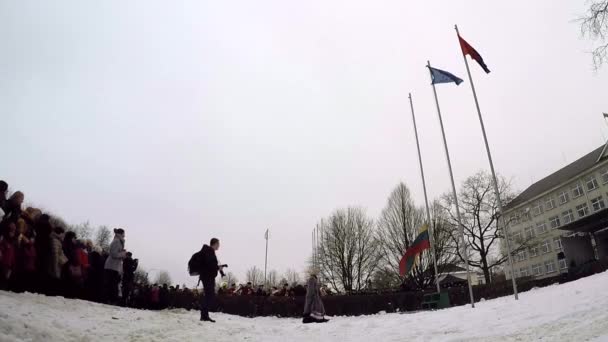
x,y
563,197
567,216
542,248
539,269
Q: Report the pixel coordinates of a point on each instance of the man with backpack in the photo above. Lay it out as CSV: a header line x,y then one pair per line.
x,y
206,265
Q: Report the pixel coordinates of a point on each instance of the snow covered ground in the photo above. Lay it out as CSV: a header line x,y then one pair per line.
x,y
577,311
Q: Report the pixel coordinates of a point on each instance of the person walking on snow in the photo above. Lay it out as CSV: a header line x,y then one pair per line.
x,y
209,269
314,311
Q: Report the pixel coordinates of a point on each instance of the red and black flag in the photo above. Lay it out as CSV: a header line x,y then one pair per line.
x,y
467,49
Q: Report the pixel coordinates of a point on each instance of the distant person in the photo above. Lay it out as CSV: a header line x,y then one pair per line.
x,y
260,292
56,261
113,266
129,266
209,269
13,206
8,254
3,190
247,290
314,311
26,257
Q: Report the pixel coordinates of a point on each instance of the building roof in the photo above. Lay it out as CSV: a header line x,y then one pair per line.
x,y
560,176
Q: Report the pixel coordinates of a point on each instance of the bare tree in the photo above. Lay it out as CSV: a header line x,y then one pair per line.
x,y
398,227
292,276
163,278
347,253
479,213
255,276
231,279
57,221
82,230
141,277
272,279
103,237
594,24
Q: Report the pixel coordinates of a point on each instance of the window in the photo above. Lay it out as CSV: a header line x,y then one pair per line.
x,y
605,176
533,251
550,266
537,210
598,203
515,219
577,190
545,247
524,272
568,216
562,264
525,216
517,237
557,242
537,269
541,228
591,183
521,256
563,197
550,203
517,274
530,233
554,222
582,210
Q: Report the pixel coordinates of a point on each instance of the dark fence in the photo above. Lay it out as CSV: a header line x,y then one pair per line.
x,y
369,304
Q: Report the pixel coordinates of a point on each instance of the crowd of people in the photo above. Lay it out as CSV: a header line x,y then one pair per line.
x,y
37,255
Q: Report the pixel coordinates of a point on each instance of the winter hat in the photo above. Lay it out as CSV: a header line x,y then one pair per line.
x,y
119,231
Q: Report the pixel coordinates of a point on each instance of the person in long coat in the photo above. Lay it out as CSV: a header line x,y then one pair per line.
x,y
113,266
314,311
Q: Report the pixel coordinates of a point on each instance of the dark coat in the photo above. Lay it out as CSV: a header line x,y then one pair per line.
x,y
209,267
129,266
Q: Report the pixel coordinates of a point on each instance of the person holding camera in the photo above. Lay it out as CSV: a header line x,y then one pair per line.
x,y
209,269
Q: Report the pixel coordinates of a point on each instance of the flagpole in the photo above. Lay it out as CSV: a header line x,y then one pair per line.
x,y
266,259
426,201
494,181
458,219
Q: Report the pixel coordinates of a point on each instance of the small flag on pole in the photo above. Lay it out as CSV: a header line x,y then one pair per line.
x,y
421,243
467,49
266,234
441,76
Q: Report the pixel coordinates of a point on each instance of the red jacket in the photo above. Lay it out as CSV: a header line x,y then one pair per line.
x,y
83,256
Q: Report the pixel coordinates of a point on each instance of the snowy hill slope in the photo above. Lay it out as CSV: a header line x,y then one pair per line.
x,y
577,311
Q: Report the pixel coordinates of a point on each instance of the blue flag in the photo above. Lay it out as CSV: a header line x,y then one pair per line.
x,y
440,76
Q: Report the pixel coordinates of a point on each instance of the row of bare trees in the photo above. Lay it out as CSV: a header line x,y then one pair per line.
x,y
255,276
356,252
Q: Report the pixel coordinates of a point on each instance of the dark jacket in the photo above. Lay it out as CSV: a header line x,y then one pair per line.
x,y
129,266
209,267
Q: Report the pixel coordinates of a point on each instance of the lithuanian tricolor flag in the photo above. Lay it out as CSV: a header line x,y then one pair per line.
x,y
421,243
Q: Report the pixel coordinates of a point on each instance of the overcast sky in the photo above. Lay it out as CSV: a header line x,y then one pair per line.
x,y
181,122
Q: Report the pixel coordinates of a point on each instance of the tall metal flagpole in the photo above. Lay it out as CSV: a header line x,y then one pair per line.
x,y
266,259
426,201
458,219
494,181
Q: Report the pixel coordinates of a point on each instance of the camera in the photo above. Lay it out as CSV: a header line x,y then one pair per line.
x,y
222,270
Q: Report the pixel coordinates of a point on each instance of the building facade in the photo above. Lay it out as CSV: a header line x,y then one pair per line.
x,y
553,208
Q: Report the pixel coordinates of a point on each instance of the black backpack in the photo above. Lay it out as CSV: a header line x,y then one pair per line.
x,y
195,263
